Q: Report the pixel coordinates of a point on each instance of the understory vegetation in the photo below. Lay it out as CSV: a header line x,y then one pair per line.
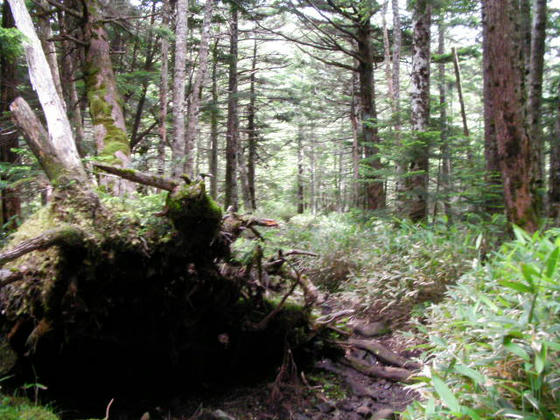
x,y
485,316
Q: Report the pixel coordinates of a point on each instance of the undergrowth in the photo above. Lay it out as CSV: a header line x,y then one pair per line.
x,y
385,263
494,342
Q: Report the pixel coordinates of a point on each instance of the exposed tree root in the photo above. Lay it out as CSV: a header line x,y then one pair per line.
x,y
385,372
383,353
65,236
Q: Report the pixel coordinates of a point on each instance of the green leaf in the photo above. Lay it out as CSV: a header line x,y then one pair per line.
x,y
552,262
476,377
529,271
517,350
520,287
540,359
445,394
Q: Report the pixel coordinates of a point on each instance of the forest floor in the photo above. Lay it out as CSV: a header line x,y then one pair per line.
x,y
328,389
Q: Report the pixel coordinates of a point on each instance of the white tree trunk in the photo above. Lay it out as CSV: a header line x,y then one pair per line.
x,y
59,129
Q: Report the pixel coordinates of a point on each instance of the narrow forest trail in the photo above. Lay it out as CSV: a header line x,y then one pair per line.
x,y
364,379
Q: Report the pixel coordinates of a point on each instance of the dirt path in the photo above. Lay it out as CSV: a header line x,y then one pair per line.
x,y
332,388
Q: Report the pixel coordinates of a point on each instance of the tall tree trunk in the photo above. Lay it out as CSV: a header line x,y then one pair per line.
x,y
375,187
387,57
536,66
312,172
252,128
179,80
194,108
11,203
135,136
243,178
493,197
163,90
213,147
444,134
64,161
506,90
45,34
554,181
396,82
299,186
103,97
525,26
232,134
356,185
417,185
459,85
68,70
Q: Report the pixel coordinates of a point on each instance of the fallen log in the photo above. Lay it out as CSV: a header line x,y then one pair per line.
x,y
383,353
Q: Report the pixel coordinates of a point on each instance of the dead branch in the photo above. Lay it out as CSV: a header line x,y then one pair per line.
x,y
139,177
385,372
300,252
68,236
383,353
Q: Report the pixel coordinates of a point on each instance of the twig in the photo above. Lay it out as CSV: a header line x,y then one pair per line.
x,y
108,408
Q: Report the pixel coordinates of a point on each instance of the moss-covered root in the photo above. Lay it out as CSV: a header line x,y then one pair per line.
x,y
194,214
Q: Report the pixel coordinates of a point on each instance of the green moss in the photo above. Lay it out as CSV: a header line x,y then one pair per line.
x,y
194,213
21,409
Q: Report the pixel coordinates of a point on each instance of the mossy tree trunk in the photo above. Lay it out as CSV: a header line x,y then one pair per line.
x,y
105,103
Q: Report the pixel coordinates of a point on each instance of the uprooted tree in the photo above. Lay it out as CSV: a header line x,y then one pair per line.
x,y
87,296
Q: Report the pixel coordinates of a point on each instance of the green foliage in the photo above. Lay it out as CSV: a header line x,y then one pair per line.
x,y
12,408
10,43
388,263
496,338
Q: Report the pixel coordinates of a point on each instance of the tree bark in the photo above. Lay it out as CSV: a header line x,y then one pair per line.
x,y
59,130
213,147
45,34
536,66
493,197
11,203
397,41
299,186
194,108
505,71
179,80
554,181
444,131
163,90
68,71
417,184
104,100
252,129
232,135
375,188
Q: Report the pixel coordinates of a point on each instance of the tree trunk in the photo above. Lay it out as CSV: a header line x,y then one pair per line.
x,y
444,131
59,130
505,71
459,84
104,100
396,117
213,147
194,108
179,80
11,203
493,197
554,181
232,134
417,185
299,186
163,89
536,66
375,188
356,185
525,26
68,71
252,133
45,34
